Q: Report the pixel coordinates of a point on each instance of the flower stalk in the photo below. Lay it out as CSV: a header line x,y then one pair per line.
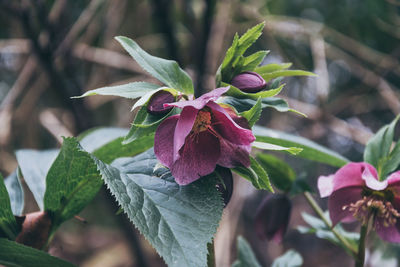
x,y
361,246
314,205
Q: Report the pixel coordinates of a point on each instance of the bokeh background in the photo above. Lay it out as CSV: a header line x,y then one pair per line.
x,y
53,50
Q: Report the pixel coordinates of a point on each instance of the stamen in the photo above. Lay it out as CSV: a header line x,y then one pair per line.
x,y
202,122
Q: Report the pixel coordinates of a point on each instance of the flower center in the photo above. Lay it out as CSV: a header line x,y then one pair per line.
x,y
377,208
202,122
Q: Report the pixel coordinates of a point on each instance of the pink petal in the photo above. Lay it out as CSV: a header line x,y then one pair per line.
x,y
198,157
341,198
394,182
200,102
183,128
390,233
325,185
233,155
229,129
164,140
351,175
372,181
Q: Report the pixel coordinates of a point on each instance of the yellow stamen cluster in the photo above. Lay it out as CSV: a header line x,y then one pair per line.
x,y
202,122
369,206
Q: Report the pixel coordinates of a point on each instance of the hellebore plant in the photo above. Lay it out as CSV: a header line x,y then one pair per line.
x,y
203,135
355,193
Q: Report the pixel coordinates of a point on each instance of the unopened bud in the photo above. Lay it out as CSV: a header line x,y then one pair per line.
x,y
156,103
249,82
226,188
272,217
35,229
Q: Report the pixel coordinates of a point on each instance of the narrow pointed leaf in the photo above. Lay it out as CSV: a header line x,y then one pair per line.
x,y
286,73
291,258
252,115
246,256
16,193
8,224
269,146
272,67
235,92
256,174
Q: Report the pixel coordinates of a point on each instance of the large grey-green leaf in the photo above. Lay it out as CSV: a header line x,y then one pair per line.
x,y
34,166
246,257
291,258
71,183
13,254
310,150
166,71
130,90
8,225
178,221
16,192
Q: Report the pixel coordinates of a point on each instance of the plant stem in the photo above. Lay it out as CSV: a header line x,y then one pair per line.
x,y
361,246
320,213
211,254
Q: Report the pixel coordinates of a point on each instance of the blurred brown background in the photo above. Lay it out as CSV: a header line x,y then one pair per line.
x,y
53,50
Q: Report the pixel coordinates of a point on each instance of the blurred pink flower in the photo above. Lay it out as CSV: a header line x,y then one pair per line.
x,y
203,135
355,193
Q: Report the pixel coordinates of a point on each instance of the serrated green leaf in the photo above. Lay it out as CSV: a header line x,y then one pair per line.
x,y
319,228
285,73
378,147
311,150
166,71
255,174
34,166
291,258
130,90
145,124
71,183
8,224
178,221
269,146
391,162
252,115
246,257
15,192
280,173
272,67
235,92
250,62
249,38
13,254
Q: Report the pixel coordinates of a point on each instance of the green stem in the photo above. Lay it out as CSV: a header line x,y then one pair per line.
x,y
211,255
320,213
361,246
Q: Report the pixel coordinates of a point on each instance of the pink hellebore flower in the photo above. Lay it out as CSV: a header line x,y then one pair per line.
x,y
355,193
203,135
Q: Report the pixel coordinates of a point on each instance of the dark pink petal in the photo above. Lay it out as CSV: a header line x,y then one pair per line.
x,y
198,157
372,181
200,102
390,233
341,198
325,185
228,129
233,155
164,140
351,175
183,128
394,183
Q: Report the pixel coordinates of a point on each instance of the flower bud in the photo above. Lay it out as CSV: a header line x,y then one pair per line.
x,y
249,82
35,230
226,188
272,217
156,103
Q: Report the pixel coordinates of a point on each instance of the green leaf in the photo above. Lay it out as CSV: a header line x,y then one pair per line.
x,y
378,147
99,137
15,192
71,183
280,173
311,150
166,71
252,115
13,254
285,73
291,258
272,67
145,124
237,93
129,90
178,221
255,174
34,166
246,257
8,224
391,162
269,146
319,228
250,62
